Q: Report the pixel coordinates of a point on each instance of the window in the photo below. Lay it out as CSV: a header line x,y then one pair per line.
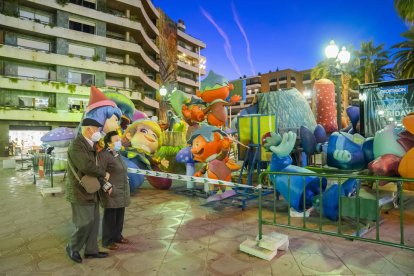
x,y
35,15
283,78
87,4
80,50
77,104
81,26
306,77
31,72
273,80
37,102
81,78
33,44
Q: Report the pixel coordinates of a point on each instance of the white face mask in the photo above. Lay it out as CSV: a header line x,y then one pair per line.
x,y
117,145
96,136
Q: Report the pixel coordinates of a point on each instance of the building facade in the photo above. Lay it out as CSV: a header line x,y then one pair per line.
x,y
180,59
272,81
52,51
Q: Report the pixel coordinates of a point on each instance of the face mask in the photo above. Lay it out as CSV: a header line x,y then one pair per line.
x,y
117,146
96,136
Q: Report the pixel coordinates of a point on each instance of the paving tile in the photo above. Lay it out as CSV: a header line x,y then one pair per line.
x,y
318,264
172,234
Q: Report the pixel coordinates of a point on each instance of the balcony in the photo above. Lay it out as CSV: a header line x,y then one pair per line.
x,y
94,14
38,85
31,84
11,114
42,30
55,59
152,8
183,50
188,38
186,81
138,4
188,67
254,85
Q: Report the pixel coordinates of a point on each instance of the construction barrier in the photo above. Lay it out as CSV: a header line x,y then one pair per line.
x,y
353,212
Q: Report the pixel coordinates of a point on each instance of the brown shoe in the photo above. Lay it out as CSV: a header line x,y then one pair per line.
x,y
123,241
112,246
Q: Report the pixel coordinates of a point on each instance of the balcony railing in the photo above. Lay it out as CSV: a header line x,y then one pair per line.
x,y
23,77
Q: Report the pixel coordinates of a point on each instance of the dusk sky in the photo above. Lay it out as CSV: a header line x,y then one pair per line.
x,y
283,34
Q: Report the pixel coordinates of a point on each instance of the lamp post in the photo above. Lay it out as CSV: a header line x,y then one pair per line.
x,y
337,60
162,116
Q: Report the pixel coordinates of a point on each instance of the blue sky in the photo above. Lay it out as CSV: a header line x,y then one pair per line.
x,y
284,34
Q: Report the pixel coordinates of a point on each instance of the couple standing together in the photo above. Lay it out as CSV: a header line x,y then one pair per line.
x,y
107,166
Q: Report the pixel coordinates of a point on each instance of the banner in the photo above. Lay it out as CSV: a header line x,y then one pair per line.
x,y
385,103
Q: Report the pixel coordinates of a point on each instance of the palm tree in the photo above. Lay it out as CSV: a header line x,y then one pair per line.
x,y
405,9
374,61
404,57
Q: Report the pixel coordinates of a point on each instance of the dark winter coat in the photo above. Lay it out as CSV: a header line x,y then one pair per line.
x,y
82,158
115,166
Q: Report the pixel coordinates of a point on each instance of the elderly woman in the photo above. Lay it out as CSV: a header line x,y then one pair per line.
x,y
114,204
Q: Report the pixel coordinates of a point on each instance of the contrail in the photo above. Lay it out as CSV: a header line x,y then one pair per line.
x,y
249,56
227,45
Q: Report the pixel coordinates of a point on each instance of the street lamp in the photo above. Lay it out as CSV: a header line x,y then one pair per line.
x,y
163,91
337,59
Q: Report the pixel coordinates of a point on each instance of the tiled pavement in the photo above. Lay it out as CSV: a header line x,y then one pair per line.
x,y
171,234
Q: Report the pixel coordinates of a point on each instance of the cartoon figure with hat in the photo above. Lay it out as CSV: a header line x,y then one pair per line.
x,y
211,145
141,140
103,110
214,91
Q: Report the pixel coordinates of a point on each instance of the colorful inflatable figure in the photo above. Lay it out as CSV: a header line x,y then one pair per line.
x,y
344,150
214,91
211,145
124,104
141,140
103,110
297,187
394,151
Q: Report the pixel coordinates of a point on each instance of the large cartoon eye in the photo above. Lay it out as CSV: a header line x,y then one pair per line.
x,y
144,130
155,136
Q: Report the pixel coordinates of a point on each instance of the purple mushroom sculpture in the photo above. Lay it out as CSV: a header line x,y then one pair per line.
x,y
185,156
60,139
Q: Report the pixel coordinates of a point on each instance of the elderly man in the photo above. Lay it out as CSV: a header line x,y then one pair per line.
x,y
85,208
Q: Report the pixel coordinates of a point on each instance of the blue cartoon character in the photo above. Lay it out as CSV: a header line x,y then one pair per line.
x,y
296,187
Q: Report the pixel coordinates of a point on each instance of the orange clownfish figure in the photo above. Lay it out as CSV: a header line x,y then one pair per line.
x,y
214,91
209,144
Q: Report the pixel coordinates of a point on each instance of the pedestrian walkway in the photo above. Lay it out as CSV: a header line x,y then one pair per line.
x,y
171,234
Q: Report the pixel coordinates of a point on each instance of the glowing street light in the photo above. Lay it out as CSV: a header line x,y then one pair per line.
x,y
163,91
337,59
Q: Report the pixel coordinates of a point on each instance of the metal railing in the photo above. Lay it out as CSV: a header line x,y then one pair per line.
x,y
356,215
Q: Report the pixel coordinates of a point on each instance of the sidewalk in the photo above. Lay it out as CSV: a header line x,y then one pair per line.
x,y
171,234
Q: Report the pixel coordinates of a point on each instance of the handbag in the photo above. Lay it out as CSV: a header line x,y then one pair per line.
x,y
89,183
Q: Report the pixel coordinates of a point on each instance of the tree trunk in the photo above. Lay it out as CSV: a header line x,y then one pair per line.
x,y
345,81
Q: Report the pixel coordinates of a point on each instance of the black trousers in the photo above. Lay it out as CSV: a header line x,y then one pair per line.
x,y
112,225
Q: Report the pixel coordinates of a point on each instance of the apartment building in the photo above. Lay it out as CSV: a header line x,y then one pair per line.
x,y
181,62
52,51
271,81
191,64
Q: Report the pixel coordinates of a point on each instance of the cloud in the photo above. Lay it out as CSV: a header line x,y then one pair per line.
x,y
249,55
227,44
